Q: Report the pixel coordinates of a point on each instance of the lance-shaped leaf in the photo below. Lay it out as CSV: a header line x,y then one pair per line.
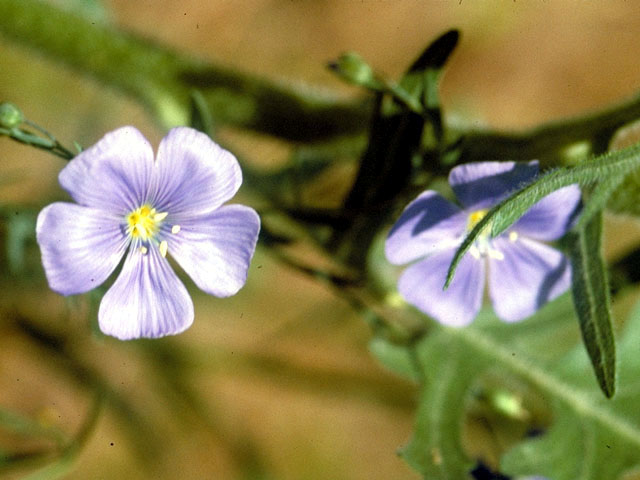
x,y
395,142
590,289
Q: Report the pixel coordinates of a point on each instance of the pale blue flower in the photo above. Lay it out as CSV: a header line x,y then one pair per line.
x,y
129,203
523,273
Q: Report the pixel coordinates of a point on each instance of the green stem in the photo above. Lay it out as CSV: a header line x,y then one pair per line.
x,y
163,79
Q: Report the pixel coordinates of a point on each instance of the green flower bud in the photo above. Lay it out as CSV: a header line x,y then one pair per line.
x,y
10,115
354,69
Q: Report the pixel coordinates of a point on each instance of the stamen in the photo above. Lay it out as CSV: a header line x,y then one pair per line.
x,y
175,229
482,246
164,246
144,222
495,254
139,230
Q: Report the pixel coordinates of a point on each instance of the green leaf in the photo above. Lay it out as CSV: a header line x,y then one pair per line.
x,y
201,118
591,438
423,79
436,448
60,468
19,424
505,213
598,199
395,144
395,357
20,230
590,288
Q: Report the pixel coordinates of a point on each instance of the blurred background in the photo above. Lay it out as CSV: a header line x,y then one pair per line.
x,y
276,382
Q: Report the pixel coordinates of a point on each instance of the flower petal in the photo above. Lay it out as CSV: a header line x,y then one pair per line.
x,y
422,285
428,224
114,175
551,217
483,184
80,246
146,300
215,250
195,175
529,275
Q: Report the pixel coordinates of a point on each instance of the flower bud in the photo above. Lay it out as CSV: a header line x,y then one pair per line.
x,y
354,69
10,115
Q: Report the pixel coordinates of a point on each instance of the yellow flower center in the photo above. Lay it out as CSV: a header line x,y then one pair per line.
x,y
475,217
144,222
482,246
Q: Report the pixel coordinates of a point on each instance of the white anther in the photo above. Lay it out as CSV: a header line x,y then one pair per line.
x,y
175,229
513,236
158,217
143,250
495,254
164,246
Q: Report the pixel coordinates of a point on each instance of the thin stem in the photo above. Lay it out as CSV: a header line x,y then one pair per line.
x,y
49,143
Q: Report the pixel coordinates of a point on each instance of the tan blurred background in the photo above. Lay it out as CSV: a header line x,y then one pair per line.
x,y
280,374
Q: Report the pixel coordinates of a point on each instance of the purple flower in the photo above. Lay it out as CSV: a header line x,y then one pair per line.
x,y
128,201
523,273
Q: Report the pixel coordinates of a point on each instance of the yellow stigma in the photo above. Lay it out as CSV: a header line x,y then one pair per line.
x,y
482,247
475,217
144,222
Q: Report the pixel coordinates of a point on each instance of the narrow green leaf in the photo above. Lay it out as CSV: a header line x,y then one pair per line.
x,y
505,213
396,140
618,163
591,299
20,230
598,199
17,423
201,118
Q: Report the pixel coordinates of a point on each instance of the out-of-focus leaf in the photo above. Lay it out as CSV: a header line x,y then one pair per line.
x,y
590,288
592,437
201,118
93,10
57,469
396,358
395,147
17,423
540,351
20,230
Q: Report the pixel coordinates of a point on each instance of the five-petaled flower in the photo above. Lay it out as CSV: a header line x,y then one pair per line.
x,y
523,273
126,200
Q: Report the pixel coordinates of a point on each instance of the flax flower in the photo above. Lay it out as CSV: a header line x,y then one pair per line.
x,y
523,273
129,204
